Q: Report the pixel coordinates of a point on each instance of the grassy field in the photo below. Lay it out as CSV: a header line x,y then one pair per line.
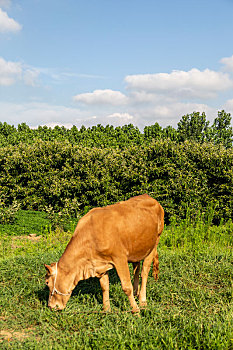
x,y
189,307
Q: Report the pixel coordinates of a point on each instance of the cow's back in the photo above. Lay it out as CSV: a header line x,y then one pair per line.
x,y
130,228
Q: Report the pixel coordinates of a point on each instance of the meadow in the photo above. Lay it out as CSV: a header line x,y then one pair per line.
x,y
189,307
51,177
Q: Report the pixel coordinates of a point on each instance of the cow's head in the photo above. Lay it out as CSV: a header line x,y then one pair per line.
x,y
58,295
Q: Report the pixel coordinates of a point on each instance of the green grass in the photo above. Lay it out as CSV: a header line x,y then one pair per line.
x,y
27,222
189,307
32,222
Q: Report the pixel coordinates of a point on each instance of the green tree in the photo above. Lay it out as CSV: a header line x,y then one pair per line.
x,y
152,131
170,133
221,129
6,130
193,127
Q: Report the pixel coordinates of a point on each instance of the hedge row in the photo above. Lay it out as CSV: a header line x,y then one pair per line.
x,y
182,177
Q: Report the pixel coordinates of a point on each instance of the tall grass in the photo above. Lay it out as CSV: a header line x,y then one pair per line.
x,y
196,232
189,307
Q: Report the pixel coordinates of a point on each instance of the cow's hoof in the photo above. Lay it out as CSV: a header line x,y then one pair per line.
x,y
143,304
136,314
106,309
136,311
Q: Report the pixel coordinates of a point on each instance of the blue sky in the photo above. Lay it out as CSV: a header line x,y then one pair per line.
x,y
76,62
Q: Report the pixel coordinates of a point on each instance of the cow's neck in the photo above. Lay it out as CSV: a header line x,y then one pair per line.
x,y
75,262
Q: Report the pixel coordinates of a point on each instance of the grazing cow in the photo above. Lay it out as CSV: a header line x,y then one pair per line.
x,y
110,237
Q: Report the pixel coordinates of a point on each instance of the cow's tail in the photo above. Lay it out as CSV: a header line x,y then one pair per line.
x,y
155,271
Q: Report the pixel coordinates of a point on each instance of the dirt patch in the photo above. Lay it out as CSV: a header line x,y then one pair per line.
x,y
10,335
33,237
17,241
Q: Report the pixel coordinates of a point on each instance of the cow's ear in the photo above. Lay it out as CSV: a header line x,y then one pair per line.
x,y
48,268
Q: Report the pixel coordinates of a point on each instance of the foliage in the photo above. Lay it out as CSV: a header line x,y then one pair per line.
x,y
222,131
192,126
61,219
189,307
8,213
67,171
71,179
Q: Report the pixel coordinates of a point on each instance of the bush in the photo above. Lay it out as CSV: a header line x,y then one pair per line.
x,y
8,213
188,176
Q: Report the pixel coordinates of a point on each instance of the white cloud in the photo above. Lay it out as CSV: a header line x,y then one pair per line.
x,y
121,116
8,24
5,3
167,112
38,113
228,62
150,98
228,107
181,84
115,119
30,76
9,72
100,97
229,104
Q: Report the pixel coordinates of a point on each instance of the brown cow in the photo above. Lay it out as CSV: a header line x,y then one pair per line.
x,y
110,237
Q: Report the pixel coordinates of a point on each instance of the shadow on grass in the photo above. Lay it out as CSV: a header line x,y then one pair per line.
x,y
90,286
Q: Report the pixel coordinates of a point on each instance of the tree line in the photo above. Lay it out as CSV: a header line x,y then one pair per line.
x,y
68,171
193,127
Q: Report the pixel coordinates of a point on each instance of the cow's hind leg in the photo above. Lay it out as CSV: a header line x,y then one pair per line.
x,y
145,271
136,272
121,265
104,283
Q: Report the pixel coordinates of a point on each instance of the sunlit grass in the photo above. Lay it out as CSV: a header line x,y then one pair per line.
x,y
189,307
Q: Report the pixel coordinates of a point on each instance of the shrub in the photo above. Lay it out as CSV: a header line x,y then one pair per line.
x,y
188,176
8,213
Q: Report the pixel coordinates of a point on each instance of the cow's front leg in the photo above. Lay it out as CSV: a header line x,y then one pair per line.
x,y
104,283
121,265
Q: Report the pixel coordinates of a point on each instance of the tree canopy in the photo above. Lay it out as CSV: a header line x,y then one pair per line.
x,y
193,127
